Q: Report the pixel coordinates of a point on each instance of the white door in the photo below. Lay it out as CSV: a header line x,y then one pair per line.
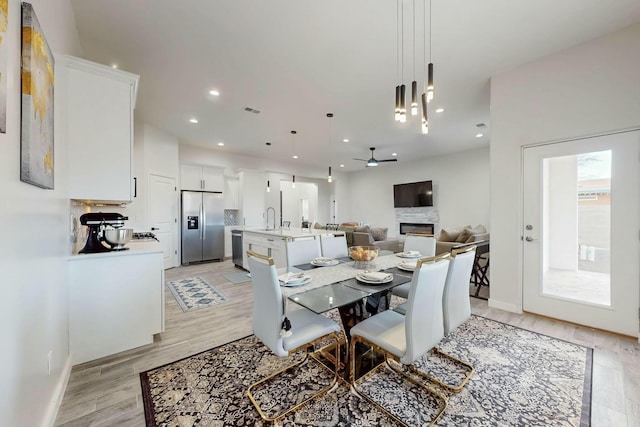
x,y
581,225
163,215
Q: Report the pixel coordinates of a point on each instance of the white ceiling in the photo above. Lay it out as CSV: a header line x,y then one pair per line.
x,y
297,60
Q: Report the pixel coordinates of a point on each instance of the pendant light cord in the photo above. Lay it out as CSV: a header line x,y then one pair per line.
x,y
414,39
398,39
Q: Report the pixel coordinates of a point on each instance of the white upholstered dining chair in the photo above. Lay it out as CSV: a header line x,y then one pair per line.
x,y
423,243
306,329
333,246
302,251
406,338
456,307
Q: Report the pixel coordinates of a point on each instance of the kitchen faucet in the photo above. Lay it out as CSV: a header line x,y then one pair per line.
x,y
274,217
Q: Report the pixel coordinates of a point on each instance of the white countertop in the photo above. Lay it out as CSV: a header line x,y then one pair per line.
x,y
288,232
136,247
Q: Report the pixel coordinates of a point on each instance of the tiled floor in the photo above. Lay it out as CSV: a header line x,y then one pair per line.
x,y
106,392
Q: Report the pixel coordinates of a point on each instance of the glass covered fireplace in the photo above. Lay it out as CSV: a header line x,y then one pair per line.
x,y
413,227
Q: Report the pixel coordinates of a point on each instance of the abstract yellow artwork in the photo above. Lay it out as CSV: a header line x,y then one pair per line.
x,y
36,163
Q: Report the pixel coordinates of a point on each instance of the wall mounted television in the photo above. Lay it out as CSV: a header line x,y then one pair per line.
x,y
413,194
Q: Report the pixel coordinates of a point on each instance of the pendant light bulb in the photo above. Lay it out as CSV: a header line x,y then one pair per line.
x,y
397,110
414,98
329,176
425,117
403,108
293,183
268,187
430,83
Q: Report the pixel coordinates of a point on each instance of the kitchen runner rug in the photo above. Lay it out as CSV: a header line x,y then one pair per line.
x,y
237,278
194,293
521,378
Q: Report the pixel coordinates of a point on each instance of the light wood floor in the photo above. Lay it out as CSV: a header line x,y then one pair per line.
x,y
107,392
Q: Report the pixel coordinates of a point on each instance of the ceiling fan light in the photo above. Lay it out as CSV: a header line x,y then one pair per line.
x,y
372,163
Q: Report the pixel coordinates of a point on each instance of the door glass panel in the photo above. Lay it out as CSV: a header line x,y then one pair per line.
x,y
576,227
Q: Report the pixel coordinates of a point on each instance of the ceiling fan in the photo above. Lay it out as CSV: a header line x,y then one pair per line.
x,y
372,161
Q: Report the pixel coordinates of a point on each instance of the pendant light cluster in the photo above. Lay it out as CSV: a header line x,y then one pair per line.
x,y
329,116
400,112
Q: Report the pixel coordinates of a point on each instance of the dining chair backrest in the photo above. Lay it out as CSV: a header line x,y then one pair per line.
x,y
423,243
455,300
302,251
333,246
268,307
423,319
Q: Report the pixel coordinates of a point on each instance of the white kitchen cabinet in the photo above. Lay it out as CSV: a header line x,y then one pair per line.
x,y
263,244
97,107
116,302
253,187
231,193
201,178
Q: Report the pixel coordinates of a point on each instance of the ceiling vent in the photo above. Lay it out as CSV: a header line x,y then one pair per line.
x,y
251,110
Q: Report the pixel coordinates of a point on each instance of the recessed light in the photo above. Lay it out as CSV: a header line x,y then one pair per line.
x,y
295,157
439,110
341,166
394,154
220,144
114,65
479,135
193,120
345,140
214,92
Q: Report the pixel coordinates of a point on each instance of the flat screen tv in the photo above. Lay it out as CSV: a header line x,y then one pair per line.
x,y
413,194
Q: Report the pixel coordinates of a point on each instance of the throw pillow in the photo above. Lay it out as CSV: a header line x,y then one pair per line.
x,y
479,229
462,237
319,227
448,236
363,229
471,239
349,224
379,233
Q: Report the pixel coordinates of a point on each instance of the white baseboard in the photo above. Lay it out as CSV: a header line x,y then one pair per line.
x,y
504,306
58,394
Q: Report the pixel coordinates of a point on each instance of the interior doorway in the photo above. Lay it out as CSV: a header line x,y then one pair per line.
x,y
580,231
163,216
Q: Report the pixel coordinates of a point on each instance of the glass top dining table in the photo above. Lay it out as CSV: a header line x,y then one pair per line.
x,y
336,286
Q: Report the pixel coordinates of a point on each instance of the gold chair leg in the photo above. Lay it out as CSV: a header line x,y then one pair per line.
x,y
454,388
356,381
319,393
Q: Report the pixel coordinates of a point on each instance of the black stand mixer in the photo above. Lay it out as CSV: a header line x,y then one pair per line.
x,y
95,222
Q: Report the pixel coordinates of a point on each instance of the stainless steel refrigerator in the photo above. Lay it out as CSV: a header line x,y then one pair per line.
x,y
202,226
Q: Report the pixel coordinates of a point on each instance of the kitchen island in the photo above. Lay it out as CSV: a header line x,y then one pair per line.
x,y
116,300
272,242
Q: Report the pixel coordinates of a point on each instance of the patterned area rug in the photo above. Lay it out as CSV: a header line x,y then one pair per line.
x,y
521,378
194,293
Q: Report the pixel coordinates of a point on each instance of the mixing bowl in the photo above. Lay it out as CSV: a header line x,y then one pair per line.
x,y
118,237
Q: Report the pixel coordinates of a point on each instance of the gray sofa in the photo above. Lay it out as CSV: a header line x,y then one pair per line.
x,y
460,235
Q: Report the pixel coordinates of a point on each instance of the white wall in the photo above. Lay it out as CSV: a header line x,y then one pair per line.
x,y
460,189
33,308
589,89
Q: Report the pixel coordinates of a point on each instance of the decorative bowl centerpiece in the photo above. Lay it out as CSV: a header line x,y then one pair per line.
x,y
363,256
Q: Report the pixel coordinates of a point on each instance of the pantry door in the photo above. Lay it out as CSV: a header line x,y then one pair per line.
x,y
581,231
163,216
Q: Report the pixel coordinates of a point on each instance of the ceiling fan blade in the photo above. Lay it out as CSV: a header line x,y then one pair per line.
x,y
362,160
388,160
